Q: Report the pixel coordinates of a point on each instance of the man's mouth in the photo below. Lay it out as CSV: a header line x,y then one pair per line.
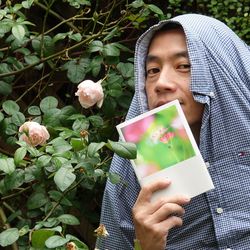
x,y
160,103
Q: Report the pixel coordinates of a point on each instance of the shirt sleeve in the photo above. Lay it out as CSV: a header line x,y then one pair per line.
x,y
117,204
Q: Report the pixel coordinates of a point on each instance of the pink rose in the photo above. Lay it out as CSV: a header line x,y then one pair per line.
x,y
33,133
90,93
135,131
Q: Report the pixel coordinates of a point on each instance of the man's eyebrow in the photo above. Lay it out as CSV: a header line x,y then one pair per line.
x,y
184,53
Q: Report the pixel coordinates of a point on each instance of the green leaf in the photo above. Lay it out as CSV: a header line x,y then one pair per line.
x,y
48,45
5,88
59,36
9,236
14,180
39,237
15,63
96,120
155,9
27,4
11,129
114,178
77,69
1,116
23,51
17,7
43,160
10,107
37,200
24,230
80,245
64,177
111,50
7,165
34,110
123,149
19,155
95,46
126,69
18,32
60,145
95,65
76,37
77,144
137,4
76,116
115,92
18,118
80,124
6,26
94,147
55,241
31,59
56,196
51,117
47,103
68,219
114,32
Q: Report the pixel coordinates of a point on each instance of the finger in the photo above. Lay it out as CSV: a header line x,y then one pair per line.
x,y
147,190
177,199
171,222
165,211
161,229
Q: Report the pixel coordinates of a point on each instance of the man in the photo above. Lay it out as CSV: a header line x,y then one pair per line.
x,y
202,63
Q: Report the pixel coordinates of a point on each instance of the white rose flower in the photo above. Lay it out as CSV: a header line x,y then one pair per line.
x,y
33,133
90,93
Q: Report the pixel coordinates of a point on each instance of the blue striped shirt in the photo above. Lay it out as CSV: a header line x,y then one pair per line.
x,y
220,78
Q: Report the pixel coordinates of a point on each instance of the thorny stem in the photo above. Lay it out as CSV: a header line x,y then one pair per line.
x,y
51,56
44,25
20,97
64,193
57,16
15,194
12,210
107,18
77,17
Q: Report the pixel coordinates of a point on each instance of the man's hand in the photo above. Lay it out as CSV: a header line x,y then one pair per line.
x,y
153,220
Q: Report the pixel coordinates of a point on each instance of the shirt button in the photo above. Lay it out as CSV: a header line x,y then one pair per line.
x,y
219,210
207,164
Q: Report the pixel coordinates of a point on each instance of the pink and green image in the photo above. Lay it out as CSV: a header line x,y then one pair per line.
x,y
161,139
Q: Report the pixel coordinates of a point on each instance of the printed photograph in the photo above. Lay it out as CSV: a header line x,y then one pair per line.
x,y
161,139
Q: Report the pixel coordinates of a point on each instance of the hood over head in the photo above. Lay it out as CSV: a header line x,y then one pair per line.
x,y
220,72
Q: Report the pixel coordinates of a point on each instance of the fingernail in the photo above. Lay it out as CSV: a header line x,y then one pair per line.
x,y
187,199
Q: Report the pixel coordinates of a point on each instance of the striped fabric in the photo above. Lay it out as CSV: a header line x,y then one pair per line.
x,y
220,78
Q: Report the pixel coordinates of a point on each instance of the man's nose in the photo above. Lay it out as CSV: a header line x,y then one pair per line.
x,y
165,82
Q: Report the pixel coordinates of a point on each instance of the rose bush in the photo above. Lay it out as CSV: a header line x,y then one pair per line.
x,y
51,188
90,93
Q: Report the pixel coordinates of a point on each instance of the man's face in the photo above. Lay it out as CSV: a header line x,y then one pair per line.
x,y
168,74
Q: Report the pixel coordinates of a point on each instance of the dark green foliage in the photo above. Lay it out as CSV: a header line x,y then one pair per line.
x,y
47,48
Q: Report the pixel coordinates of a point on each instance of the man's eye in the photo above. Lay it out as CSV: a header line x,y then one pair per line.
x,y
152,71
184,67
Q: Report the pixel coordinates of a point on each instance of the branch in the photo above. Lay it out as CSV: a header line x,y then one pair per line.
x,y
51,56
71,25
64,193
15,194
